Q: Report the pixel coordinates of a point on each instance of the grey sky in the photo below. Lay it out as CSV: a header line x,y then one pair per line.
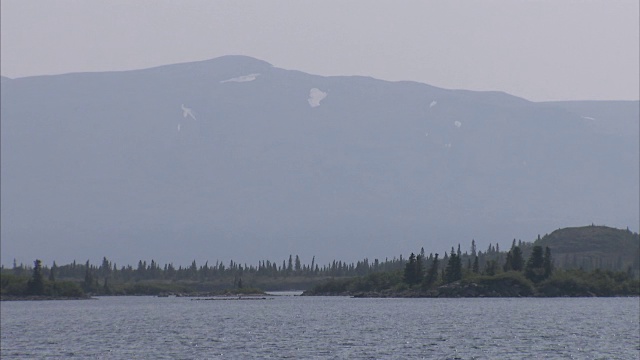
x,y
540,50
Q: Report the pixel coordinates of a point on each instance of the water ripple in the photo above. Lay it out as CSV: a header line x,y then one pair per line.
x,y
322,328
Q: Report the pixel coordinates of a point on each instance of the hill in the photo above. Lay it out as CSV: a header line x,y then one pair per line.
x,y
592,247
235,156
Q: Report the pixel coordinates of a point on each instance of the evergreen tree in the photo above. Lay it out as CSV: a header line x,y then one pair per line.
x,y
105,268
35,286
517,261
52,272
514,261
534,269
290,264
418,269
298,264
410,270
87,285
432,274
476,265
547,262
454,268
140,270
507,263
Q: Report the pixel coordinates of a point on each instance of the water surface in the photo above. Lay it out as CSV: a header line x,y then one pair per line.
x,y
322,328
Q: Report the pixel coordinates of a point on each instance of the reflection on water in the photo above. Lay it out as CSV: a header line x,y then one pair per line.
x,y
286,293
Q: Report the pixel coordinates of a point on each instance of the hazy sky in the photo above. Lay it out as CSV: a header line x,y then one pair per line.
x,y
540,50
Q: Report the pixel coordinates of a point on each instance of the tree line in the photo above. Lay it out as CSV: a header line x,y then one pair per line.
x,y
95,275
107,278
525,269
417,271
428,271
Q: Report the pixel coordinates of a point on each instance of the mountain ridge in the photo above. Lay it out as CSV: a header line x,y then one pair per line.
x,y
103,161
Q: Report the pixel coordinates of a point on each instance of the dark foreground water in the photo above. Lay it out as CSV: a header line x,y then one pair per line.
x,y
323,328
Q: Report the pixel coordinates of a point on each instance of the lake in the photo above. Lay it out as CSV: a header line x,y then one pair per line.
x,y
322,328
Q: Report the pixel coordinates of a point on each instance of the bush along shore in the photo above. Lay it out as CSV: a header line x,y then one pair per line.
x,y
515,278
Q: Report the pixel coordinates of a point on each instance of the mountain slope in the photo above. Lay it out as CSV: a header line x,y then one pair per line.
x,y
234,158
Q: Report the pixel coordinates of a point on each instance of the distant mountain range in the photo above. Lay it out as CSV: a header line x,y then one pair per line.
x,y
233,158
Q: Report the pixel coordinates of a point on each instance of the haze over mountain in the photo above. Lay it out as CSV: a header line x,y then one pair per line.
x,y
233,158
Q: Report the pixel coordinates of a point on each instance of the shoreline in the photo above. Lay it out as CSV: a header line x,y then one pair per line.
x,y
43,298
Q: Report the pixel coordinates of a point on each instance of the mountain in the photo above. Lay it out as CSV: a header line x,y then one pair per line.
x,y
233,158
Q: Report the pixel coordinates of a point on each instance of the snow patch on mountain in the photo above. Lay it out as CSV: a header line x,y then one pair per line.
x,y
240,79
187,112
315,96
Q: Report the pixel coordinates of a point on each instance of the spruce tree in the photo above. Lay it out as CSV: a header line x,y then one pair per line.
x,y
514,261
52,272
473,248
418,269
547,263
476,265
298,265
105,268
432,274
508,266
35,286
88,278
410,270
454,268
517,261
534,269
290,264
